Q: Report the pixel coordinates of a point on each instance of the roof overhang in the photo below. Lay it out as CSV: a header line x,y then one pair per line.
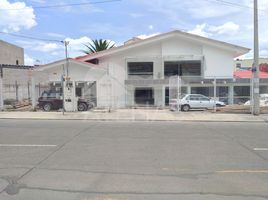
x,y
70,61
237,50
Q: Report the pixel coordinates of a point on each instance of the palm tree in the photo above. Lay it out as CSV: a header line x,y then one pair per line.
x,y
97,45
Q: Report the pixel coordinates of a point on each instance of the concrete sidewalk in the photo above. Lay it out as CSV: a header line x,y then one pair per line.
x,y
137,115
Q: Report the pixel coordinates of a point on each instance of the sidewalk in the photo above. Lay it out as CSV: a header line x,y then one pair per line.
x,y
137,115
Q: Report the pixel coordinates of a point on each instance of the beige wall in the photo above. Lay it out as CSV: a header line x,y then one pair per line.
x,y
248,62
9,53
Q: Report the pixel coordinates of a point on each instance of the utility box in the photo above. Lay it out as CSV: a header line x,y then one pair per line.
x,y
70,100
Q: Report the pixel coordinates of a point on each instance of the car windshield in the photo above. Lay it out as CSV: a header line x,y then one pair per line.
x,y
47,94
181,96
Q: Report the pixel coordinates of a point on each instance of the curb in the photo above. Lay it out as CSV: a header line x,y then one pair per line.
x,y
139,120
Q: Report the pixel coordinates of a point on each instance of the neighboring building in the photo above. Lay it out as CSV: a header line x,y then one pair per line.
x,y
11,54
246,64
15,76
138,72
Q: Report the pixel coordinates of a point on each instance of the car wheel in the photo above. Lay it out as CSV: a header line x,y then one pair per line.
x,y
82,107
90,105
47,107
185,108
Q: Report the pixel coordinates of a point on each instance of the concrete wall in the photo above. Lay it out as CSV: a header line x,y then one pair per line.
x,y
217,62
9,53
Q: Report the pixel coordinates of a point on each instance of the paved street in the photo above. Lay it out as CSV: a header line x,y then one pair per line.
x,y
86,160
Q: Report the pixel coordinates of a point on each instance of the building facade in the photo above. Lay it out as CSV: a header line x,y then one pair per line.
x,y
15,81
11,54
140,72
142,69
246,64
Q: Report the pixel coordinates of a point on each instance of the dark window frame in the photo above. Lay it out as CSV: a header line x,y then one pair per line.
x,y
181,68
140,68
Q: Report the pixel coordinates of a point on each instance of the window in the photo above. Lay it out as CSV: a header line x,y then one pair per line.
x,y
78,92
182,68
144,96
238,65
17,62
194,98
140,68
241,94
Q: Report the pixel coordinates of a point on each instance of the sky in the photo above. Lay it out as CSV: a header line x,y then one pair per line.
x,y
119,21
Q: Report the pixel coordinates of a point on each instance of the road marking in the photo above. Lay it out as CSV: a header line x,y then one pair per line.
x,y
27,145
243,171
260,149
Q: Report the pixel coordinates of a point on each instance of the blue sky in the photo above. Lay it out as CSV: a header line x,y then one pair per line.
x,y
122,20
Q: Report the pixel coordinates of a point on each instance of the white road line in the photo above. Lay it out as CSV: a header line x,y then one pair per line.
x,y
260,149
27,145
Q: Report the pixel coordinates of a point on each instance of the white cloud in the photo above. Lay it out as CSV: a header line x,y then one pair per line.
x,y
44,47
136,15
151,27
16,16
200,30
205,30
76,46
227,28
144,36
264,53
55,35
28,60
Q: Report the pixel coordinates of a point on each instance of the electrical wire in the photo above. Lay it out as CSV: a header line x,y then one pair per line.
x,y
31,37
61,5
232,4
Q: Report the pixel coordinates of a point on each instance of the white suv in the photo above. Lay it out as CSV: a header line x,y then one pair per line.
x,y
194,101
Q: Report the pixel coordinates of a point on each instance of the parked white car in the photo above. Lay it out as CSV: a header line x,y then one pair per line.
x,y
194,101
263,100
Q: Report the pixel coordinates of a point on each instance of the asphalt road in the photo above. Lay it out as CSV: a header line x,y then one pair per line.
x,y
85,160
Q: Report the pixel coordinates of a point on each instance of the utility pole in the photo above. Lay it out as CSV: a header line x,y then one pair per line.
x,y
256,69
66,43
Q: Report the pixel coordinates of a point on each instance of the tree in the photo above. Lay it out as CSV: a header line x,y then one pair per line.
x,y
97,45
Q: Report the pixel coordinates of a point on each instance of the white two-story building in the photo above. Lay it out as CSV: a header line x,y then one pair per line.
x,y
137,73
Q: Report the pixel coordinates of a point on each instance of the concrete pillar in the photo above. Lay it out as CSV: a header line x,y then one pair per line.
x,y
231,95
188,89
1,93
33,98
163,96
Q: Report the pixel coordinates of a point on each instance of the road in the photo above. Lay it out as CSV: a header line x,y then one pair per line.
x,y
85,160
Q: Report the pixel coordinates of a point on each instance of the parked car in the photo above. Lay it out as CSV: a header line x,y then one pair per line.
x,y
194,101
51,100
263,100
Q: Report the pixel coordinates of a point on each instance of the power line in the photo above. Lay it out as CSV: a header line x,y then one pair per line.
x,y
31,37
232,4
62,5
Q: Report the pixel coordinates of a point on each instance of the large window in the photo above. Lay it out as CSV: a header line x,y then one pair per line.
x,y
140,69
144,96
182,68
241,94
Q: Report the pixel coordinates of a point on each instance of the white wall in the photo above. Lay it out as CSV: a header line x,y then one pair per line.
x,y
217,62
176,47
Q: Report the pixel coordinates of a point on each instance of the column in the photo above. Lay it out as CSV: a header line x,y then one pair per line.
x,y
231,95
33,93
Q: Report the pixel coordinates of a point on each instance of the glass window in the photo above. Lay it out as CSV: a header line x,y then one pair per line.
x,y
182,68
140,68
194,98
